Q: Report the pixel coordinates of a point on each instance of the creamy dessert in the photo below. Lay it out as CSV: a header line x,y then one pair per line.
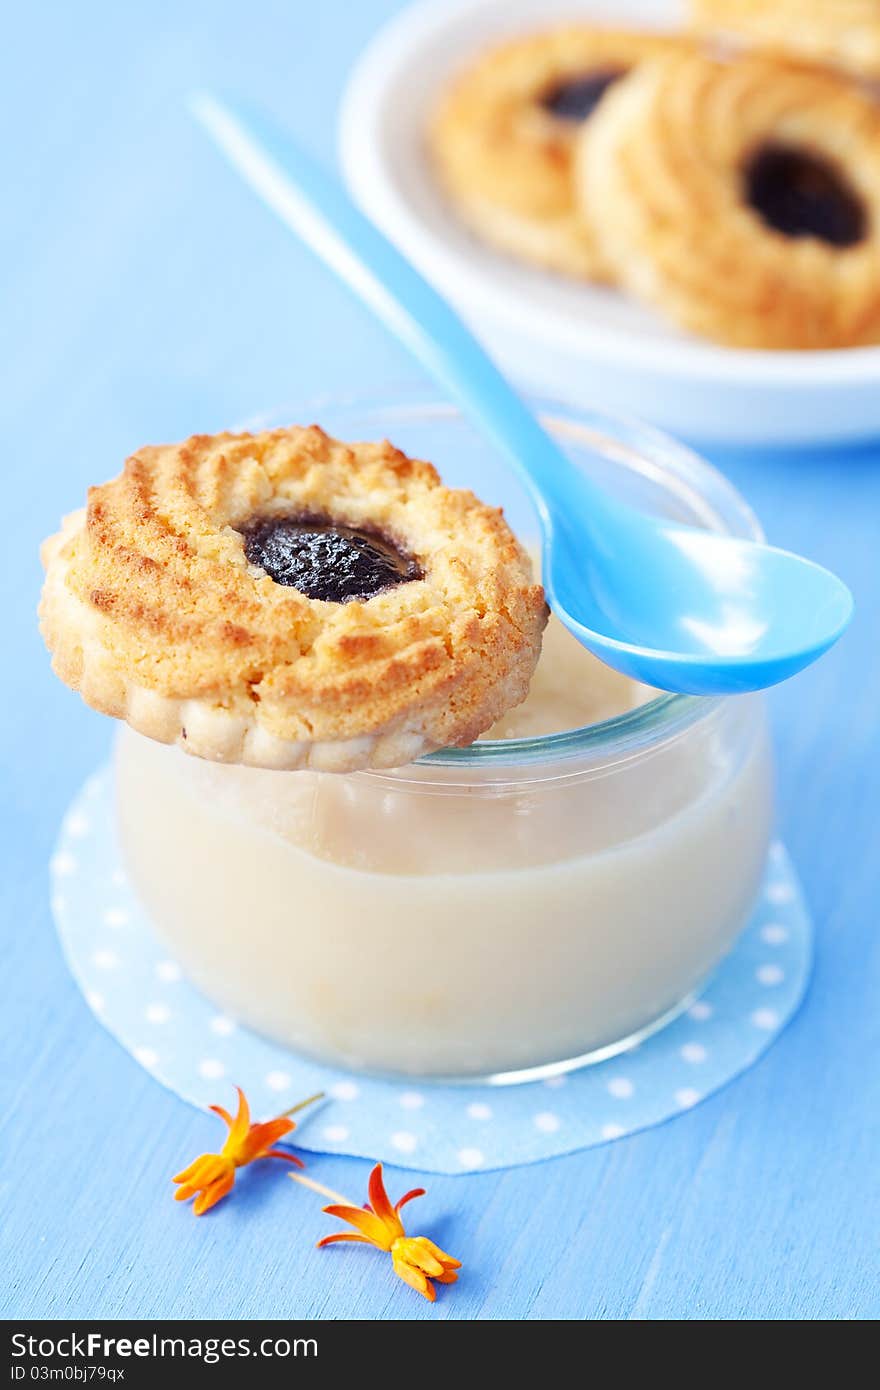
x,y
286,625
463,918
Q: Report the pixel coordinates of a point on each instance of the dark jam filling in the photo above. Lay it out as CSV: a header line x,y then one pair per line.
x,y
578,98
324,559
802,194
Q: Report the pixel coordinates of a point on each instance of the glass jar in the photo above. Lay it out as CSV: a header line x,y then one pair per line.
x,y
502,911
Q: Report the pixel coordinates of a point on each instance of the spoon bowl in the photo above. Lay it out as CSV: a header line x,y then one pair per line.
x,y
729,632
675,607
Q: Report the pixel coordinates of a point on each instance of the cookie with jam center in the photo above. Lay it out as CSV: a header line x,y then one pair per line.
x,y
502,139
842,33
742,198
285,600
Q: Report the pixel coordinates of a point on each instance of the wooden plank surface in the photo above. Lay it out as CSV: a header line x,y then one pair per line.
x,y
144,296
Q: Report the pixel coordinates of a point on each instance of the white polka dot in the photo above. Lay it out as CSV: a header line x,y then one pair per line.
x,y
63,864
344,1090
336,1134
478,1111
168,970
547,1122
222,1026
157,1013
768,1019
404,1141
620,1087
700,1011
770,974
277,1080
554,1082
146,1056
612,1131
779,892
105,960
471,1158
115,917
774,933
411,1100
77,825
211,1069
95,1000
686,1097
694,1052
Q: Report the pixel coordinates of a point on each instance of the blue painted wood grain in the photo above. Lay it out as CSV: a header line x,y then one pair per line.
x,y
145,296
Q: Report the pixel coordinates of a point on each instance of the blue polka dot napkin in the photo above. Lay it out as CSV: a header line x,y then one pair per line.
x,y
142,997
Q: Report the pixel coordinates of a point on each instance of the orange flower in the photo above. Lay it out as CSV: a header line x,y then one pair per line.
x,y
213,1175
415,1259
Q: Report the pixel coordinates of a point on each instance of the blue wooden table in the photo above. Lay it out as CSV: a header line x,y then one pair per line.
x,y
146,296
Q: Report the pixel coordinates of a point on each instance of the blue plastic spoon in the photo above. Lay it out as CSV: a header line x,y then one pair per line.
x,y
676,607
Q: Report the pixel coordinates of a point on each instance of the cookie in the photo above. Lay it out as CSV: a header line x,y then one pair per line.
x,y
285,600
504,134
742,198
844,33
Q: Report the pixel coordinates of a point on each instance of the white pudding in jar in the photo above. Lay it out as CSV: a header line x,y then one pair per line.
x,y
529,902
491,910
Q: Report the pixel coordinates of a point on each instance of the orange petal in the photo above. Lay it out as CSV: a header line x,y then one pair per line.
x,y
211,1168
378,1196
240,1125
224,1114
381,1205
275,1129
261,1137
212,1194
408,1196
186,1173
342,1235
413,1251
415,1278
283,1153
208,1170
203,1169
446,1260
364,1221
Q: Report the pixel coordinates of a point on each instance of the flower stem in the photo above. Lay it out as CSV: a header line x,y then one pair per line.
x,y
322,1190
301,1105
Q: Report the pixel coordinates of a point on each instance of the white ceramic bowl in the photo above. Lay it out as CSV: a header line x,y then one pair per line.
x,y
584,343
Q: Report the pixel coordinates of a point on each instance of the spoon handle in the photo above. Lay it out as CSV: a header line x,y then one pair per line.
x,y
314,206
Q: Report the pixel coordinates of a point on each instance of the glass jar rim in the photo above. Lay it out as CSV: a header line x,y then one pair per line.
x,y
623,439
